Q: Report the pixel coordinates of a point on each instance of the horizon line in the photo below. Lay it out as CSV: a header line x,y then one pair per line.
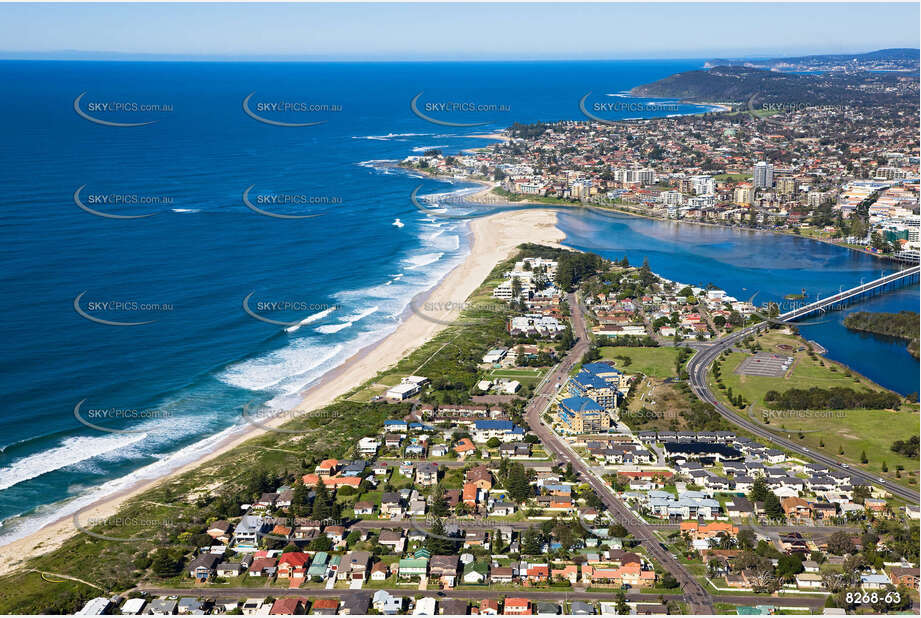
x,y
116,56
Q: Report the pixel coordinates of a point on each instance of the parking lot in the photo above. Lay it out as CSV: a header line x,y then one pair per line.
x,y
765,365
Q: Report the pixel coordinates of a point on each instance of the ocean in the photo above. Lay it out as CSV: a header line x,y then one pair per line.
x,y
328,266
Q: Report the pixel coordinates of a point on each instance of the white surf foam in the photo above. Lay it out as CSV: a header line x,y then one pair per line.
x,y
416,262
329,329
310,319
17,528
301,357
70,451
389,136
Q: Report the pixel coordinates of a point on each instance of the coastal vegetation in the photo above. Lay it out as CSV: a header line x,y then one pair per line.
x,y
835,398
902,325
572,266
743,84
168,522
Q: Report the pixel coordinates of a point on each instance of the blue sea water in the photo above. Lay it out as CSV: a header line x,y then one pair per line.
x,y
350,269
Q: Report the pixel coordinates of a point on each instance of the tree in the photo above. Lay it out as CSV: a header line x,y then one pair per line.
x,y
440,506
772,507
840,543
321,503
746,538
352,538
860,493
669,581
763,580
493,442
165,564
517,483
299,499
438,542
321,543
788,566
622,607
532,542
759,491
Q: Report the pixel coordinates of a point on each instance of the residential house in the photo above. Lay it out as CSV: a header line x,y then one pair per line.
x,y
289,606
364,508
444,568
203,566
409,568
796,508
480,476
517,607
292,564
391,505
220,530
475,573
325,607
906,576
427,474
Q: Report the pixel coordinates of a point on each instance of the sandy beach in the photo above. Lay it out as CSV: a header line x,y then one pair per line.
x,y
494,238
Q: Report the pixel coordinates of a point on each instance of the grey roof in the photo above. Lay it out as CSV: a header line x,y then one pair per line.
x,y
581,608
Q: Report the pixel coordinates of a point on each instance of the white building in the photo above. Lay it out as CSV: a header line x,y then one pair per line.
x,y
763,174
402,391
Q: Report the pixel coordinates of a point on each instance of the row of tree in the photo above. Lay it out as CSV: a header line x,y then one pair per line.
x,y
835,398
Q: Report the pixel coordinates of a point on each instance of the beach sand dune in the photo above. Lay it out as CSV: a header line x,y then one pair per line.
x,y
494,239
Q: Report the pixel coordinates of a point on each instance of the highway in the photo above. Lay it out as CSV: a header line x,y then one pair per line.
x,y
698,369
698,598
558,596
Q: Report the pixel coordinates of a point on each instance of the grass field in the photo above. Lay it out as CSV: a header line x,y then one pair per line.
x,y
732,177
525,376
827,431
653,362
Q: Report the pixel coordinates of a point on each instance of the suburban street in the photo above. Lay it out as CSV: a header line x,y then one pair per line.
x,y
698,598
473,595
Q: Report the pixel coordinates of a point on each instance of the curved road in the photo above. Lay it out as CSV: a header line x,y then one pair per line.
x,y
698,598
698,369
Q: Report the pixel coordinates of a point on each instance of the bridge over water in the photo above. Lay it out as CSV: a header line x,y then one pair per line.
x,y
893,280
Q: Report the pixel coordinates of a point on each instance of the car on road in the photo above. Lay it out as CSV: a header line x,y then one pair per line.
x,y
844,465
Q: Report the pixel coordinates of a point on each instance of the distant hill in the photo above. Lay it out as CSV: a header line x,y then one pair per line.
x,y
900,58
742,84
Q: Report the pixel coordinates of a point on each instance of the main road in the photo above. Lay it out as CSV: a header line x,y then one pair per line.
x,y
698,370
698,598
215,592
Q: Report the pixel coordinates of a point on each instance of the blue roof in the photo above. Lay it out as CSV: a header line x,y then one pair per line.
x,y
596,368
590,380
497,426
583,404
394,423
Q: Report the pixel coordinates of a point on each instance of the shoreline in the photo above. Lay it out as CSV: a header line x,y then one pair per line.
x,y
493,239
481,198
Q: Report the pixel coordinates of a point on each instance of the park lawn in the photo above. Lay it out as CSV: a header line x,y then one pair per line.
x,y
368,393
827,431
732,177
525,376
654,362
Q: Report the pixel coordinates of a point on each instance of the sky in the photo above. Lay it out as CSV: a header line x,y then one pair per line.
x,y
451,31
